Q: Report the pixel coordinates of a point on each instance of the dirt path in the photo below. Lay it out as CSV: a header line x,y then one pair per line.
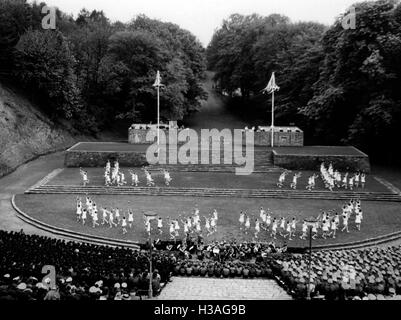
x,y
214,113
20,180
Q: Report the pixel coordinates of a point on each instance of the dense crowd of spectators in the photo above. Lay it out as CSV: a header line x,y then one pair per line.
x,y
86,271
92,272
368,274
233,251
220,250
83,271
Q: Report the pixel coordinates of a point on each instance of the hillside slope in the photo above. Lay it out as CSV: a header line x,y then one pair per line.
x,y
25,132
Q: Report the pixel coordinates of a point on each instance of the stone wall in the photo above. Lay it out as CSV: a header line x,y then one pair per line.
x,y
313,162
281,139
99,159
284,138
137,136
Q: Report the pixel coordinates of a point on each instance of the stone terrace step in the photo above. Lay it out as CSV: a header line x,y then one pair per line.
x,y
212,192
263,161
211,168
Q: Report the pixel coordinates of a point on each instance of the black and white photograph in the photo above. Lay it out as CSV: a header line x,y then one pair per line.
x,y
171,152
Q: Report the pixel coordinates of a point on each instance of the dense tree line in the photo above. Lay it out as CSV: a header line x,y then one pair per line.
x,y
92,72
341,85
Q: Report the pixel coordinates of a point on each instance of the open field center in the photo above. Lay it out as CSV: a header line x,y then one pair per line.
x,y
59,211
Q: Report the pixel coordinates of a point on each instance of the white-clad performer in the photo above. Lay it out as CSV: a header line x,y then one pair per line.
x,y
130,219
104,216
160,225
124,225
79,209
167,177
111,219
84,216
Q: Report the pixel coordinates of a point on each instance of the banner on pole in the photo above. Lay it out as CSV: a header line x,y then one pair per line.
x,y
158,81
271,86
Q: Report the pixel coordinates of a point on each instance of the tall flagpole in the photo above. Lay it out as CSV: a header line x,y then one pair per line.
x,y
271,87
158,118
157,85
272,135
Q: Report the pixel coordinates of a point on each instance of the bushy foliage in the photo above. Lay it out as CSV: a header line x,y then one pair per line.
x,y
15,17
247,49
44,64
92,72
357,99
341,85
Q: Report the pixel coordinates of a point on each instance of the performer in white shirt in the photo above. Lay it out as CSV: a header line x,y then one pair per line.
x,y
257,228
84,216
304,231
104,216
111,219
124,225
167,177
130,219
79,210
160,225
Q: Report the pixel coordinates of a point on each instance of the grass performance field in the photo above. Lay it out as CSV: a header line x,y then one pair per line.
x,y
59,211
109,147
71,177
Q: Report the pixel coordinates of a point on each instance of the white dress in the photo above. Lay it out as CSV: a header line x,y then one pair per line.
x,y
213,223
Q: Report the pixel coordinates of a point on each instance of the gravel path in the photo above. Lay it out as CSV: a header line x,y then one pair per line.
x,y
20,180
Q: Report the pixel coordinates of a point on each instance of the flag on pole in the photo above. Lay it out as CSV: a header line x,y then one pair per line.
x,y
271,86
158,81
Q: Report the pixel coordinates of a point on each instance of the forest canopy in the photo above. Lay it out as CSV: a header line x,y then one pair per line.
x,y
91,71
342,86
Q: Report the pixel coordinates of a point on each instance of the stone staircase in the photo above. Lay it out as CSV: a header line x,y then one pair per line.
x,y
210,168
263,163
215,192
